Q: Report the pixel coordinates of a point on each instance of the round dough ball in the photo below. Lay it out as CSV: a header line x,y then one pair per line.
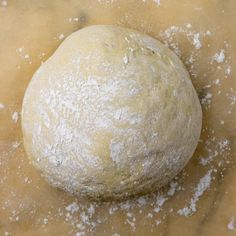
x,y
112,113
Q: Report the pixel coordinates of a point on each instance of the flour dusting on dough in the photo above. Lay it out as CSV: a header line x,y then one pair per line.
x,y
97,118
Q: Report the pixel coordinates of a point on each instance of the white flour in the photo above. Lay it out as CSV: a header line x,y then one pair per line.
x,y
219,57
231,224
2,106
15,116
202,186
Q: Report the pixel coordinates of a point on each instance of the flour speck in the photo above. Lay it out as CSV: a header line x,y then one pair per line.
x,y
158,2
61,36
2,106
231,224
72,208
4,3
15,116
196,41
219,57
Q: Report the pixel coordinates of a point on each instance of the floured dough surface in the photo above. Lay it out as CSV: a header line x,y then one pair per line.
x,y
112,113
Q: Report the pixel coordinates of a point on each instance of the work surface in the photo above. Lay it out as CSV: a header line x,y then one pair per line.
x,y
201,200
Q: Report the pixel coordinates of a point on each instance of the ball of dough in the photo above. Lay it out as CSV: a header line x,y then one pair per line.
x,y
112,113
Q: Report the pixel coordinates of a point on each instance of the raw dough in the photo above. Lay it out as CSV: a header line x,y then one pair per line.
x,y
112,113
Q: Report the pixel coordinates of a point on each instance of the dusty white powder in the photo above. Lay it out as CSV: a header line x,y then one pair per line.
x,y
27,180
231,95
231,224
16,144
214,149
219,57
113,209
160,200
72,208
196,41
206,100
173,188
158,2
126,60
141,201
106,1
75,19
155,201
202,186
131,220
15,116
192,36
61,36
228,70
23,54
189,26
4,3
45,221
2,106
80,234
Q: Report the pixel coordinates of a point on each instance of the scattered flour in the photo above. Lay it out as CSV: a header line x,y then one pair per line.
x,y
23,54
4,3
131,220
106,1
2,106
72,208
61,36
215,148
206,100
27,180
196,41
232,96
219,57
80,216
80,234
202,186
228,70
160,200
173,188
73,19
15,116
141,201
16,144
45,221
158,2
192,36
231,224
125,60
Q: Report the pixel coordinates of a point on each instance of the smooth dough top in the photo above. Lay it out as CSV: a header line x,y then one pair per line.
x,y
112,113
